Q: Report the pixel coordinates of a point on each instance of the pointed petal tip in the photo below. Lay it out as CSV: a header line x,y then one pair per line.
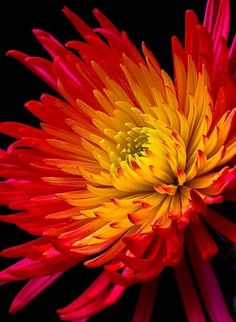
x,y
14,308
16,54
144,46
96,11
10,52
39,33
189,11
66,10
36,31
3,253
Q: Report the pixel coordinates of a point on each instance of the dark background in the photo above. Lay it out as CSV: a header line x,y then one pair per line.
x,y
144,21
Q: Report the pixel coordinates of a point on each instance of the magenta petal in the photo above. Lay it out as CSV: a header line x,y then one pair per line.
x,y
33,288
210,15
222,21
40,66
101,294
232,59
146,302
188,293
97,287
217,19
94,306
208,285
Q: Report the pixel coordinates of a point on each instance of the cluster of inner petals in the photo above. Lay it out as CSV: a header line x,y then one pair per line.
x,y
154,154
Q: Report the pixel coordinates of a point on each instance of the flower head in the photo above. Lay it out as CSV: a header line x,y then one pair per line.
x,y
126,165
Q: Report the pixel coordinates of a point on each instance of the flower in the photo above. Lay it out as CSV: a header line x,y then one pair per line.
x,y
126,166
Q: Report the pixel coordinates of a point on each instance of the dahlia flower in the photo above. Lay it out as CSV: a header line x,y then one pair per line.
x,y
126,166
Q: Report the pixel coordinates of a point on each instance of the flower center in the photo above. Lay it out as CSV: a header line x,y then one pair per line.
x,y
147,159
131,143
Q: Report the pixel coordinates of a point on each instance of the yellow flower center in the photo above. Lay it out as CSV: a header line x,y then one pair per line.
x,y
131,143
148,153
148,159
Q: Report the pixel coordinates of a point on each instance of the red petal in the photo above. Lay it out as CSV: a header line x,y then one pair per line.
x,y
33,288
188,293
209,287
191,39
146,302
204,242
78,23
221,224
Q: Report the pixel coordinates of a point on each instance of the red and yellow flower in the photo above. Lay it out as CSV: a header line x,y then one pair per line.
x,y
125,166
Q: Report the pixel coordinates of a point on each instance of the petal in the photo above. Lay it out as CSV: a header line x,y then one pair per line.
x,y
32,289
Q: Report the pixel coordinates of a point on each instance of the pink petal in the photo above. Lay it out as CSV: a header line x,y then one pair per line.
x,y
232,59
101,294
92,292
33,288
217,18
40,66
146,302
221,27
188,293
208,285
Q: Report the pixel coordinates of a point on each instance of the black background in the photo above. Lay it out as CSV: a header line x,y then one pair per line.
x,y
144,21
